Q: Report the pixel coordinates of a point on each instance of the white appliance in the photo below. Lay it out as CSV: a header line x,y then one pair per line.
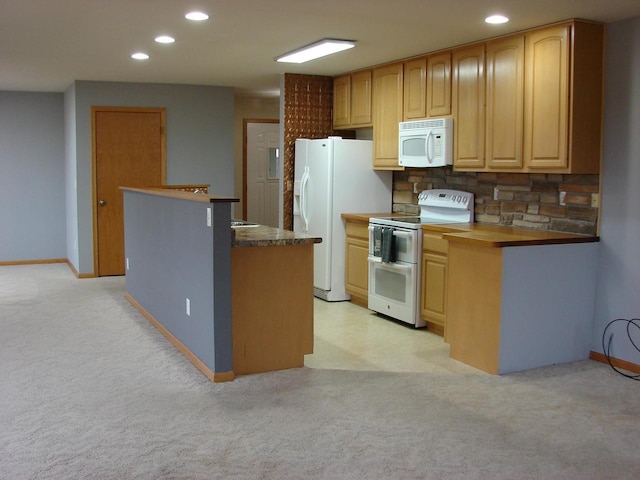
x,y
334,176
426,143
395,248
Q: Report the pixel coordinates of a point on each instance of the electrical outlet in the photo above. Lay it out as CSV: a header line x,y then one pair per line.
x,y
562,195
188,302
208,216
127,263
496,193
595,200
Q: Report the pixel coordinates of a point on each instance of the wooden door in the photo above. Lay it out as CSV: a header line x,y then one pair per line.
x,y
546,108
468,107
129,150
505,102
439,84
415,88
342,101
387,113
361,98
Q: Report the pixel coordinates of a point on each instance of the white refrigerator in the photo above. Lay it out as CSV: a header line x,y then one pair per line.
x,y
334,176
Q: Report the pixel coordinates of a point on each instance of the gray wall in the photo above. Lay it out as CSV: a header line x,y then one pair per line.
x,y
32,197
618,285
173,255
199,145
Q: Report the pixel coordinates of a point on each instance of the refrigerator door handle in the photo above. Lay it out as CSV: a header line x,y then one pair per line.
x,y
303,199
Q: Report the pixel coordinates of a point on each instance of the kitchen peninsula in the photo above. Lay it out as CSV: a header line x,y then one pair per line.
x,y
517,298
233,300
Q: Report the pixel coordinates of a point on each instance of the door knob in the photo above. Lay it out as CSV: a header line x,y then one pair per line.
x,y
102,203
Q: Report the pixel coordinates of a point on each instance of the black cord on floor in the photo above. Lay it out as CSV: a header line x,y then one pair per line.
x,y
607,349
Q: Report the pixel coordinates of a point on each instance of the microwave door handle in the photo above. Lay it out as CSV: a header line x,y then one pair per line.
x,y
427,145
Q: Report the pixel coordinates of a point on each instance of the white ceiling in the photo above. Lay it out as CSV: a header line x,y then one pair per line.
x,y
47,44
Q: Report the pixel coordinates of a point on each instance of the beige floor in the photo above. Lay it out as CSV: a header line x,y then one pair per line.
x,y
349,337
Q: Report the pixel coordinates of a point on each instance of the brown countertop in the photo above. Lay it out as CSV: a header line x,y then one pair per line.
x,y
488,235
183,195
263,236
498,236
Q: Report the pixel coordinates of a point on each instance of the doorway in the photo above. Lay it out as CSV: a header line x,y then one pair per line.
x,y
261,172
129,149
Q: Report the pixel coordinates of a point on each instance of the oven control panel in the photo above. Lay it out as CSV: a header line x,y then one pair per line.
x,y
446,205
446,198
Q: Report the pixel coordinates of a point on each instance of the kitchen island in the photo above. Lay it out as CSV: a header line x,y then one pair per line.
x,y
234,301
272,298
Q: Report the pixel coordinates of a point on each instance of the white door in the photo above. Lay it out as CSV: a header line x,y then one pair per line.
x,y
263,173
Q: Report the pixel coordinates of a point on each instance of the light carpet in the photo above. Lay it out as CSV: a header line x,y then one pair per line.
x,y
90,390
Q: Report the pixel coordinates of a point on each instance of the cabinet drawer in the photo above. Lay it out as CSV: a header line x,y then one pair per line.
x,y
357,230
435,243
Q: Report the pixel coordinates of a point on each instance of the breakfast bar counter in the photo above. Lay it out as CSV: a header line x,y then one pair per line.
x,y
233,300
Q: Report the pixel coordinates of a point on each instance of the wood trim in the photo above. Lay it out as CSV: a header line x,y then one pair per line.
x,y
78,274
199,364
246,121
616,362
33,262
163,162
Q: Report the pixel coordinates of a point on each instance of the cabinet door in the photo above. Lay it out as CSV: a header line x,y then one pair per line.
x,y
361,98
356,262
415,88
468,107
546,107
439,84
433,300
387,113
434,280
342,101
505,102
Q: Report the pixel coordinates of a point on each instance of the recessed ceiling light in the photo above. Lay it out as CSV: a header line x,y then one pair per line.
x,y
315,50
196,16
165,39
140,56
496,19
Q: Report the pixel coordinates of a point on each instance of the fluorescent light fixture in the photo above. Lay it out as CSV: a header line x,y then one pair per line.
x,y
140,56
165,39
196,16
496,19
315,50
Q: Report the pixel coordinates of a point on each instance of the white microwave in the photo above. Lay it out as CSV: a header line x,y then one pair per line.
x,y
426,143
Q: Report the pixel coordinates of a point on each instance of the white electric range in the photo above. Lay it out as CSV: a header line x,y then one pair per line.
x,y
395,246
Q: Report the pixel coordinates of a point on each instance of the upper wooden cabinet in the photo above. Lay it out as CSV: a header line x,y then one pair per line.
x,y
523,103
547,97
563,98
415,88
505,102
387,113
468,107
427,86
342,101
352,100
439,84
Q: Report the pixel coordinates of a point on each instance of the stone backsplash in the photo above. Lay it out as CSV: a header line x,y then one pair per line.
x,y
513,199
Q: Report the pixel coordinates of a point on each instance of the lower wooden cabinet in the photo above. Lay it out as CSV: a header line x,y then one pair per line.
x,y
356,266
434,282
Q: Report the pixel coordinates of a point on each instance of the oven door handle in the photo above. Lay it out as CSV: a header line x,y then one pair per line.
x,y
389,266
401,234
